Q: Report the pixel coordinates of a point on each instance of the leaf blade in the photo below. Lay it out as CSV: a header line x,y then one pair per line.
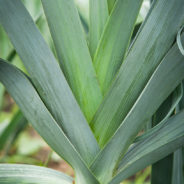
x,y
177,175
98,13
27,98
76,62
166,140
162,170
16,125
47,76
156,92
126,88
17,173
115,40
111,4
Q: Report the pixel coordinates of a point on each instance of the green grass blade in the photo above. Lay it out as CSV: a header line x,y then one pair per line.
x,y
115,40
17,173
177,175
111,4
9,134
98,14
155,92
47,76
73,53
27,98
149,48
161,143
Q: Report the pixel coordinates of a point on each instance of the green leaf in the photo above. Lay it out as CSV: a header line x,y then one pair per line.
x,y
1,95
7,52
115,40
73,53
14,127
111,4
163,81
41,23
136,30
5,44
28,174
162,170
34,8
164,112
180,46
158,145
177,175
181,104
98,14
47,77
84,24
147,50
83,9
27,98
168,106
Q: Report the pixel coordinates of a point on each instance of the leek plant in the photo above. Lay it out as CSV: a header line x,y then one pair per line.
x,y
91,99
9,130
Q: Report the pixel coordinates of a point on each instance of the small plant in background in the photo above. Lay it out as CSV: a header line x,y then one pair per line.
x,y
91,96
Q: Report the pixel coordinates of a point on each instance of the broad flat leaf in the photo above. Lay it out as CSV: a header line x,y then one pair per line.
x,y
98,14
28,174
9,134
47,76
163,81
115,40
177,171
27,98
148,49
73,53
158,145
